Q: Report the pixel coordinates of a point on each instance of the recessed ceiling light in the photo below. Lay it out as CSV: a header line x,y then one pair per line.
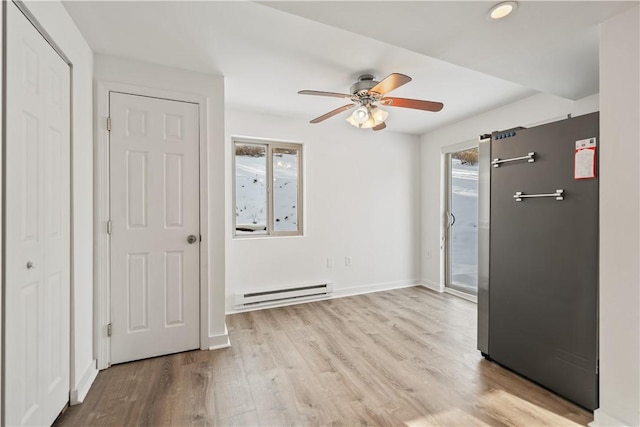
x,y
502,10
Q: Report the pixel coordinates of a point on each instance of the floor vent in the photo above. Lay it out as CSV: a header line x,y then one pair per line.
x,y
278,296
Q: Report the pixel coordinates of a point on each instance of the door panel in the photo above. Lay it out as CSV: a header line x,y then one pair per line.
x,y
30,174
154,208
173,191
136,189
37,226
543,263
174,288
138,295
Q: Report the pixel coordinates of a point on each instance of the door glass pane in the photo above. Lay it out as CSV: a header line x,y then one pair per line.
x,y
285,189
251,188
464,230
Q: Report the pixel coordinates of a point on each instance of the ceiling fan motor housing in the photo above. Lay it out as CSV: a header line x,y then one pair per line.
x,y
363,85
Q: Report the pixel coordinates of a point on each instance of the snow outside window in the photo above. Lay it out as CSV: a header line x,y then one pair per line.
x,y
262,209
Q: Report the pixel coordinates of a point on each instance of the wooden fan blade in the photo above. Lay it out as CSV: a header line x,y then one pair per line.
x,y
332,113
416,104
319,93
380,126
389,83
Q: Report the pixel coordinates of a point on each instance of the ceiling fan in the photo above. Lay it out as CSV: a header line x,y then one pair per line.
x,y
365,93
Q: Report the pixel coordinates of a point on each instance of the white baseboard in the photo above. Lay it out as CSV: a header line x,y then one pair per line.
x,y
377,287
433,286
77,394
219,341
602,419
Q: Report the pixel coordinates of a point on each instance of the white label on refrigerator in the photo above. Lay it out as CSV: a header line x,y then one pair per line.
x,y
585,159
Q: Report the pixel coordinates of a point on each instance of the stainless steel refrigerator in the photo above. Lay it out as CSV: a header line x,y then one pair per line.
x,y
538,263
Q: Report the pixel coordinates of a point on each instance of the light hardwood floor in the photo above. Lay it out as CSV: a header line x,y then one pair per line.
x,y
403,357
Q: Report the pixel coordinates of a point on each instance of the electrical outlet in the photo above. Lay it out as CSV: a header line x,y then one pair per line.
x,y
347,261
329,262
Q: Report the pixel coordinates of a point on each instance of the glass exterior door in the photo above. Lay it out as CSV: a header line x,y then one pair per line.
x,y
462,221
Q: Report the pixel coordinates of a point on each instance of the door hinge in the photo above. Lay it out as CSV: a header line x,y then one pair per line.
x,y
109,124
109,330
597,366
109,227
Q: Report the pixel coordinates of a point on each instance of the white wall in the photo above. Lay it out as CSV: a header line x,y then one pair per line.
x,y
619,221
118,70
540,108
361,199
58,24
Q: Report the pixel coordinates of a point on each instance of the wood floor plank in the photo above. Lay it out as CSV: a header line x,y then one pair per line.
x,y
403,357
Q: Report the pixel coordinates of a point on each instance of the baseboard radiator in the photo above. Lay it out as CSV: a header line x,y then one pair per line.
x,y
284,295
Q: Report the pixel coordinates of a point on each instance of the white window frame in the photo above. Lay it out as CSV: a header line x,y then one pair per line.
x,y
270,145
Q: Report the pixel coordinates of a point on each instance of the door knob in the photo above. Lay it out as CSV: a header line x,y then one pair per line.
x,y
191,239
30,265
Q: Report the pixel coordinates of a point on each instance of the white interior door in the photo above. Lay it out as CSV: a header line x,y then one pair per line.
x,y
37,257
154,169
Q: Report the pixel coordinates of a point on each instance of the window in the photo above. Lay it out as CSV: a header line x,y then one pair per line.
x,y
260,208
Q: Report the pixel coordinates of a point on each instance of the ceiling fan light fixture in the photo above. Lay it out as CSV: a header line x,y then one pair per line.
x,y
369,122
352,121
361,117
366,116
502,10
361,114
379,115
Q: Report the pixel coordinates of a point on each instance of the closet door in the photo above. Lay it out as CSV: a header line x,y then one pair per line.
x,y
37,226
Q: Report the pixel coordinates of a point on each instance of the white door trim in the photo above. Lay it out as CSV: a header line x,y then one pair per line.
x,y
102,308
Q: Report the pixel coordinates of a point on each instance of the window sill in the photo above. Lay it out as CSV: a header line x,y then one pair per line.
x,y
266,236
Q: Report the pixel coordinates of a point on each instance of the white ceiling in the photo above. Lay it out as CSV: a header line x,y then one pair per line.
x,y
269,51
